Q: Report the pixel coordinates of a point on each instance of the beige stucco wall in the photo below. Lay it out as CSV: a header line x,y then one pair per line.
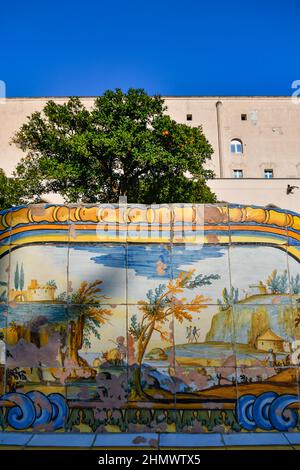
x,y
270,136
258,192
13,113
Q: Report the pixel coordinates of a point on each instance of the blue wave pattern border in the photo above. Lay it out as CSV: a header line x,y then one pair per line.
x,y
35,409
269,411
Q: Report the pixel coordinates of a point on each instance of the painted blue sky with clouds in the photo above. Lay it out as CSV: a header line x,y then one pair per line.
x,y
146,260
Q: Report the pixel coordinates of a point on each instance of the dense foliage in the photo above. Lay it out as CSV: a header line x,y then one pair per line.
x,y
125,145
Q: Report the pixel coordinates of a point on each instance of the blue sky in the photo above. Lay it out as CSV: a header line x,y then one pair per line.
x,y
154,261
170,47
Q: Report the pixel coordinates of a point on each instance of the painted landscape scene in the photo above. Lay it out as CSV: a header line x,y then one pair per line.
x,y
153,327
133,326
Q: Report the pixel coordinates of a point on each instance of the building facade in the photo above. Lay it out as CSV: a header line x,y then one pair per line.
x,y
35,292
256,142
270,341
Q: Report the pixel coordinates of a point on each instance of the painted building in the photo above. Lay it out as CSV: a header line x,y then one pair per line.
x,y
38,292
269,340
256,142
35,292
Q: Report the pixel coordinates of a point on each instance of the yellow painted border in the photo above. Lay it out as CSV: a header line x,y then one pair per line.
x,y
176,223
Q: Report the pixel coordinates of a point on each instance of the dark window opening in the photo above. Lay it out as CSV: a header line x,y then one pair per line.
x,y
189,117
269,174
238,173
244,117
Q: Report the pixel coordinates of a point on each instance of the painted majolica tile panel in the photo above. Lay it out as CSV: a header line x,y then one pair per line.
x,y
208,268
130,318
4,273
96,336
149,267
260,274
294,274
38,274
263,332
274,401
103,265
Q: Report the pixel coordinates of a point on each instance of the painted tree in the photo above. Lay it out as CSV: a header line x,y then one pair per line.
x,y
17,277
260,322
161,306
85,318
278,283
22,282
286,321
52,283
284,282
295,284
228,298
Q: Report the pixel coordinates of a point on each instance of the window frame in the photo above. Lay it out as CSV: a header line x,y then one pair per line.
x,y
270,171
235,172
235,143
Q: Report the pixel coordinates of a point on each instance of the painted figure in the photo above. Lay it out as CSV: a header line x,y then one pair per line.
x,y
271,358
189,335
196,332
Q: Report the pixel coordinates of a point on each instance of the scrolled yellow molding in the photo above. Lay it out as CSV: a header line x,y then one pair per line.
x,y
151,215
261,215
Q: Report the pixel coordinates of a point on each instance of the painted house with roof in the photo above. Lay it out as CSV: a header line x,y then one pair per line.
x,y
270,340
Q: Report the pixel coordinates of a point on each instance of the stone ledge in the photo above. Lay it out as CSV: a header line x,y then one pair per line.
x,y
147,441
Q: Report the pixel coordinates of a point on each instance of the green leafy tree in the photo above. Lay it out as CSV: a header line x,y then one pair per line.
x,y
12,191
125,145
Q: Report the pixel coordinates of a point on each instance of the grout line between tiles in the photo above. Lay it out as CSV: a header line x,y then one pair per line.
x,y
29,440
94,440
222,439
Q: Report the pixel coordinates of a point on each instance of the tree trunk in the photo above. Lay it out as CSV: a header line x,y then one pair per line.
x,y
142,346
75,341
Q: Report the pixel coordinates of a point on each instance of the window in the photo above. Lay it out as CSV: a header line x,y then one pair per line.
x,y
269,174
189,117
243,117
238,173
236,146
